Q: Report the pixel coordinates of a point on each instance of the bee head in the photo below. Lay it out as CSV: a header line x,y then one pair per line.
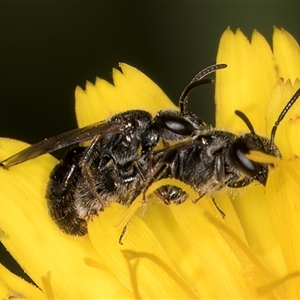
x,y
253,169
251,141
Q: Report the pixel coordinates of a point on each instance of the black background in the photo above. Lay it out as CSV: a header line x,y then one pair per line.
x,y
47,48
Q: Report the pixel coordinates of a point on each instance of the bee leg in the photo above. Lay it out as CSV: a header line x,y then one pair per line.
x,y
240,183
163,169
88,170
140,170
170,193
218,208
219,174
160,169
123,234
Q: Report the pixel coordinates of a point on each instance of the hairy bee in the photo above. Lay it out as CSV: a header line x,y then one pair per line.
x,y
212,159
117,163
122,162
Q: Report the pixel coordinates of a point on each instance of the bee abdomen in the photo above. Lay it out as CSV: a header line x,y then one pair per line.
x,y
60,194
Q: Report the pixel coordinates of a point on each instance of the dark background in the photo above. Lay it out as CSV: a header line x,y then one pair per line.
x,y
47,48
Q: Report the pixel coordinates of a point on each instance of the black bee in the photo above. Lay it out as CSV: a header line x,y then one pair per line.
x,y
122,162
212,159
116,164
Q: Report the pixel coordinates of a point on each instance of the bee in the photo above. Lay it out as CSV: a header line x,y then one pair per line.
x,y
213,159
117,163
122,160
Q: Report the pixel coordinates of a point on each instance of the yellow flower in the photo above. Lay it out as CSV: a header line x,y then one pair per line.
x,y
186,251
260,83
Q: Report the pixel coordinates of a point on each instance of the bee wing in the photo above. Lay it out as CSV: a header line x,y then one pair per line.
x,y
61,141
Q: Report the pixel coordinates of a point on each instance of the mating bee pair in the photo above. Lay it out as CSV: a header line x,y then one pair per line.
x,y
122,162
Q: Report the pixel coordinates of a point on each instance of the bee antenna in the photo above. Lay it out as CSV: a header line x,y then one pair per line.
x,y
197,80
250,126
282,115
246,120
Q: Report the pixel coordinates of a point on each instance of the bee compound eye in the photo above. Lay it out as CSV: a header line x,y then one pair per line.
x,y
174,124
243,164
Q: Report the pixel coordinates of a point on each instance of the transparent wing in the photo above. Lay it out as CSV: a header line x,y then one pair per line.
x,y
61,141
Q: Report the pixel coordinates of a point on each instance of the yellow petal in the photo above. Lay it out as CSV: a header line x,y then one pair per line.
x,y
246,83
287,54
231,219
280,96
10,282
250,205
284,208
131,90
222,262
294,134
140,263
202,245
